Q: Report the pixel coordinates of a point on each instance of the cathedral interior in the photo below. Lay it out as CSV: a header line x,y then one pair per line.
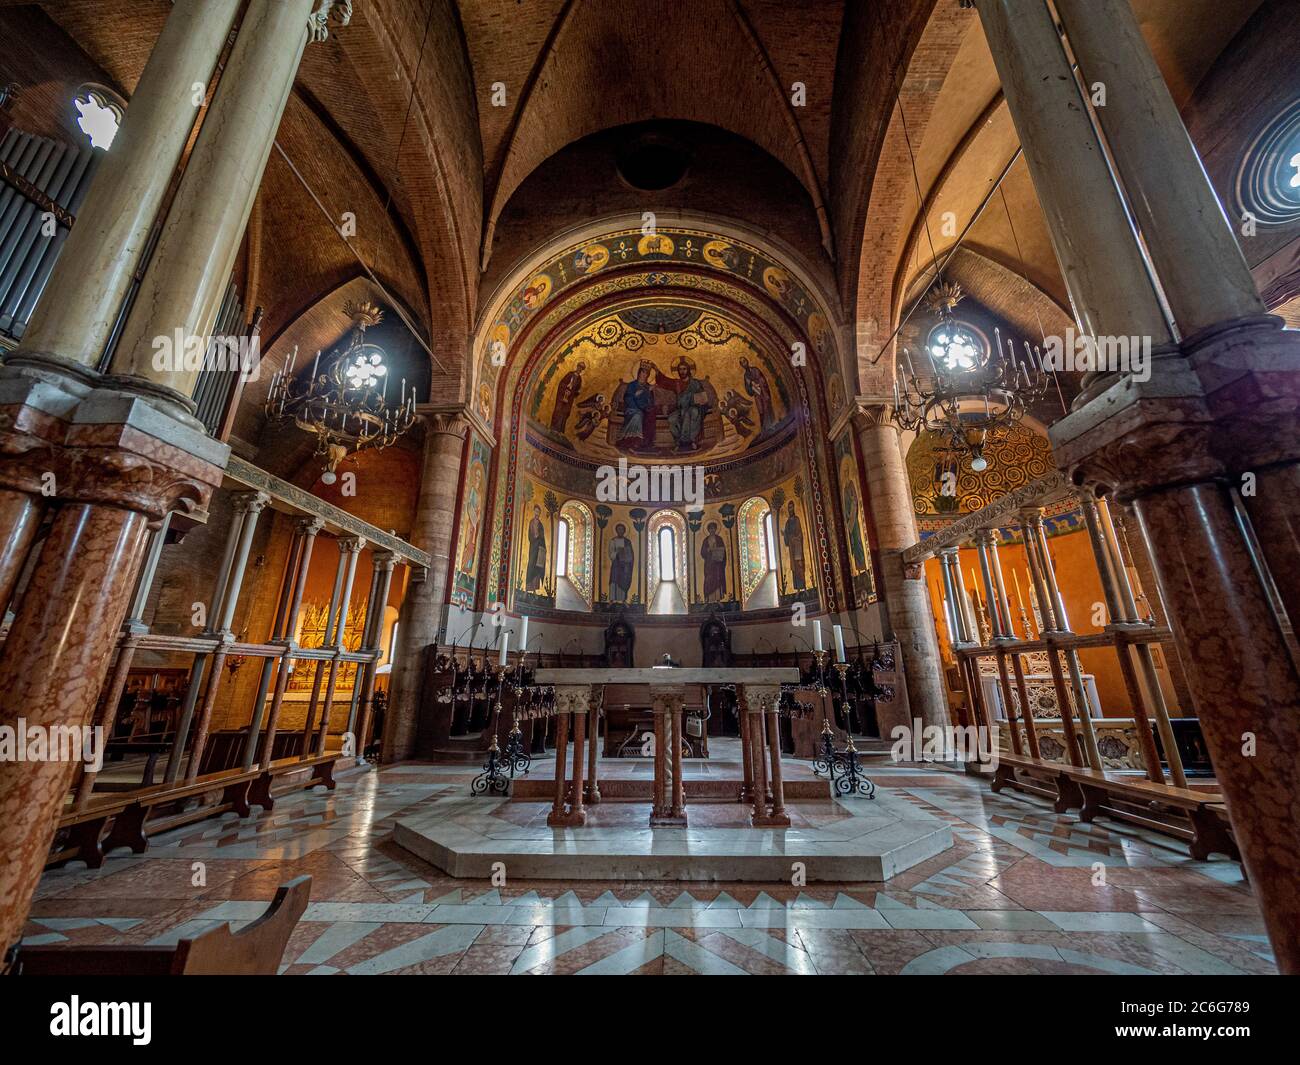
x,y
685,487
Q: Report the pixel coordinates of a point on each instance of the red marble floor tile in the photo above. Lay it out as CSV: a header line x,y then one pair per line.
x,y
888,951
488,960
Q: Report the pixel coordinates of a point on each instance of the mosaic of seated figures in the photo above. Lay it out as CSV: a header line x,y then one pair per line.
x,y
660,382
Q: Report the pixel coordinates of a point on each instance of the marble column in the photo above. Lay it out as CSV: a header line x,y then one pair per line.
x,y
79,307
950,565
352,547
54,662
907,603
1109,284
422,610
1205,276
572,704
593,755
777,817
667,703
308,530
246,507
188,272
43,381
383,563
132,629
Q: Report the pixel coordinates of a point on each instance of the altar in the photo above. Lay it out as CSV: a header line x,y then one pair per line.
x,y
578,696
560,827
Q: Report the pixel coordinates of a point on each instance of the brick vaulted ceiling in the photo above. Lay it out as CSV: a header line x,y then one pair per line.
x,y
394,118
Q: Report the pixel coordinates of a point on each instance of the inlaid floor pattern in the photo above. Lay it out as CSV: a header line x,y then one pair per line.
x,y
1022,891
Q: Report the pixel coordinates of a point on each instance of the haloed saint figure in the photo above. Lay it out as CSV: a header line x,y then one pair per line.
x,y
713,553
535,574
621,559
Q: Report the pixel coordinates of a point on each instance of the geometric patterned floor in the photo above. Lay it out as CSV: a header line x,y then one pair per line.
x,y
1022,891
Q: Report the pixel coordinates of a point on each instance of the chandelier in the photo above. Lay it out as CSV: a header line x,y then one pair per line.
x,y
963,392
345,405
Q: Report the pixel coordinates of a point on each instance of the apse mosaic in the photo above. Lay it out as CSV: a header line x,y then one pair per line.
x,y
736,259
660,382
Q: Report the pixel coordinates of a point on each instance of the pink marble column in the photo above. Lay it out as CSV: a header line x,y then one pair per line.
x,y
422,611
778,817
60,645
1246,689
559,815
20,517
593,763
906,601
669,809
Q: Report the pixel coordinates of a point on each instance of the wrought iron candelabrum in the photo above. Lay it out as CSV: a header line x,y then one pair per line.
x,y
825,760
851,780
517,759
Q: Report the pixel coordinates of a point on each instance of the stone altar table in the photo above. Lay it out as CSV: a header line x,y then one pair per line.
x,y
759,690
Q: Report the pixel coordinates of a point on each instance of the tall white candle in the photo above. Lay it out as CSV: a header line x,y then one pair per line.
x,y
817,635
523,636
505,646
839,644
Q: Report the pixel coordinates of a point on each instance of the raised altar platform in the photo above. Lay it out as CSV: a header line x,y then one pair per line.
x,y
836,839
846,840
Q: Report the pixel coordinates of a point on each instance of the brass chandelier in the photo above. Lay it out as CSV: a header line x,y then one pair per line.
x,y
345,405
963,392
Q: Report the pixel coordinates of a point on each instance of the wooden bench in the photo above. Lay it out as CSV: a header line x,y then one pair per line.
x,y
153,747
1137,801
1051,780
140,818
253,951
265,789
84,828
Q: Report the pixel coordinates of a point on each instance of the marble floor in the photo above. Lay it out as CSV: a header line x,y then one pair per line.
x,y
1021,891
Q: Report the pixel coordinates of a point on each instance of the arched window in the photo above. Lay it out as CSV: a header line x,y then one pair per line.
x,y
667,554
758,554
562,548
668,575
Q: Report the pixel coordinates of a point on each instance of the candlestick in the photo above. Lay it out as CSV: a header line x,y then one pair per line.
x,y
523,635
839,643
817,635
505,646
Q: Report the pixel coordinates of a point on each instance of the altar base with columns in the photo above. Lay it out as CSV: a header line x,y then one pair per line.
x,y
743,824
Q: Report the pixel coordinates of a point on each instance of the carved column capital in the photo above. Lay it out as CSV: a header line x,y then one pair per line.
x,y
667,698
250,502
318,20
577,698
452,421
871,413
384,560
351,545
310,526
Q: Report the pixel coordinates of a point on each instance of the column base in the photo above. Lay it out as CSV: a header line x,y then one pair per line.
x,y
568,819
770,821
591,797
667,819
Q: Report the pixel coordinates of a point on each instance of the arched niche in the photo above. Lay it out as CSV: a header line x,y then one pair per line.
x,y
574,556
667,568
758,581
